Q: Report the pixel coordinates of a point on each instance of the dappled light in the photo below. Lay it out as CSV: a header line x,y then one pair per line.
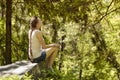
x,y
88,32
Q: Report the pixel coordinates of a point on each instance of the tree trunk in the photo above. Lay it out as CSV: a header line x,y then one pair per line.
x,y
55,28
104,51
8,31
3,7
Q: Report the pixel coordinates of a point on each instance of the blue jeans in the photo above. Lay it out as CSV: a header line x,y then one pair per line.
x,y
41,58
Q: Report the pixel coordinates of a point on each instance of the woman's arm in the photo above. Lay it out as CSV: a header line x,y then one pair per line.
x,y
42,42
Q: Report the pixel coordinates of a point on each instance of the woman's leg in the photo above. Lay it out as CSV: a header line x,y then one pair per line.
x,y
51,55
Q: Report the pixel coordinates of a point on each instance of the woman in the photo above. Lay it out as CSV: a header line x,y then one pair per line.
x,y
38,50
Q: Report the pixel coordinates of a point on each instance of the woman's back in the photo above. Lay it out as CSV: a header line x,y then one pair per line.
x,y
35,44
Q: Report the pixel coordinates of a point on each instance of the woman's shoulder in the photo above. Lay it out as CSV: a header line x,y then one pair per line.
x,y
38,31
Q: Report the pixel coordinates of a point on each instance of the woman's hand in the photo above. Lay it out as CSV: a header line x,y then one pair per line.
x,y
56,45
31,57
30,54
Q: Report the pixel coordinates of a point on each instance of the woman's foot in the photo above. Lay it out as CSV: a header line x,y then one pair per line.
x,y
50,69
50,72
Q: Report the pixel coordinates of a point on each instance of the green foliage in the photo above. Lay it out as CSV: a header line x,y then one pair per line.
x,y
16,77
12,77
92,35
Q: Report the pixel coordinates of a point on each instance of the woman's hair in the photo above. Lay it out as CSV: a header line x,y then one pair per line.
x,y
33,22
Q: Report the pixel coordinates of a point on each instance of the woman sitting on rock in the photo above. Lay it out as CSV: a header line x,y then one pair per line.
x,y
38,49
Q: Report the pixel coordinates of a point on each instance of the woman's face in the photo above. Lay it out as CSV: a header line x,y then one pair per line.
x,y
38,25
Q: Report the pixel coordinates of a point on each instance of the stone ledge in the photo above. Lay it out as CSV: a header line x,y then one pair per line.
x,y
20,68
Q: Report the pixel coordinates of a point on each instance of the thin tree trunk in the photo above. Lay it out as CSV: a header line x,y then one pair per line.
x,y
8,31
80,74
61,55
54,27
2,8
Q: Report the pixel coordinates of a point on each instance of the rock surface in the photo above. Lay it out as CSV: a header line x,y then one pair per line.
x,y
21,68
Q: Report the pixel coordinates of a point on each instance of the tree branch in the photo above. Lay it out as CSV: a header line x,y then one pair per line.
x,y
106,14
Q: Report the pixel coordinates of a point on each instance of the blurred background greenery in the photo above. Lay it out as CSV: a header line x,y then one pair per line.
x,y
91,27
